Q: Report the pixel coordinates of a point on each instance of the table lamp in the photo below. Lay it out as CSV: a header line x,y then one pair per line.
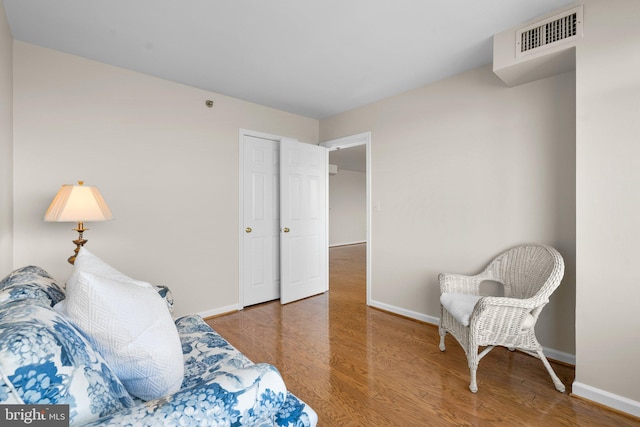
x,y
78,203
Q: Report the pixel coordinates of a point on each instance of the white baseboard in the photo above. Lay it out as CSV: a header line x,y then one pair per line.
x,y
218,311
560,356
606,398
549,352
347,243
404,312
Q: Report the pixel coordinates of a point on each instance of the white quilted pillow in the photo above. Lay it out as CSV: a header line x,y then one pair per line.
x,y
89,263
130,325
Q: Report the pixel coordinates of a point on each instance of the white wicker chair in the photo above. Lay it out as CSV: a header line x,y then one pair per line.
x,y
529,275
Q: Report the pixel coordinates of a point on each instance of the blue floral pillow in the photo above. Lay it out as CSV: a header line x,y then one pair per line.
x,y
7,395
32,283
45,360
166,295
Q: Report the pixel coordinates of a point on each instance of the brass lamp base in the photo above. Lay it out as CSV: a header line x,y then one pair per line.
x,y
79,242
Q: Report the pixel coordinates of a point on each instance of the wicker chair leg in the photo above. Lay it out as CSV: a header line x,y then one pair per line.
x,y
442,335
473,385
474,361
556,381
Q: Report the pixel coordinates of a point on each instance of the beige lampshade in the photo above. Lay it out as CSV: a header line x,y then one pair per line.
x,y
78,203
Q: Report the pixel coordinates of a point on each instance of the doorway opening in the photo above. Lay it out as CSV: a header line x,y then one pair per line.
x,y
350,199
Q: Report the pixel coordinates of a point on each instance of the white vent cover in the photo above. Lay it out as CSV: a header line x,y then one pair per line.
x,y
558,29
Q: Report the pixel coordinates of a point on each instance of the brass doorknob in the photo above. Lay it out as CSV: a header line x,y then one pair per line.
x,y
248,230
286,230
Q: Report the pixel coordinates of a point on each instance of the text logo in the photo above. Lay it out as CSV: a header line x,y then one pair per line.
x,y
34,415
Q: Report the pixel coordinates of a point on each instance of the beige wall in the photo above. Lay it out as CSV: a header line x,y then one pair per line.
x,y
461,170
165,163
347,207
6,145
608,202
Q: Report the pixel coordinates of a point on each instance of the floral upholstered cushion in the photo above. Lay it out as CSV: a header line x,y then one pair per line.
x,y
246,397
45,360
31,283
295,413
208,356
205,352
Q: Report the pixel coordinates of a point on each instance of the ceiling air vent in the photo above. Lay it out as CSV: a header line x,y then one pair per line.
x,y
553,31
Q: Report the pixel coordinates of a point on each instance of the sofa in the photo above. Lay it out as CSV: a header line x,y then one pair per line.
x,y
45,358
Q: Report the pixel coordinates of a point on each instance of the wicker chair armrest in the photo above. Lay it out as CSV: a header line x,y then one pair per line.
x,y
528,303
460,283
503,315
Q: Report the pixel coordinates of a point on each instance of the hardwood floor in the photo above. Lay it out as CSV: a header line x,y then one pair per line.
x,y
358,366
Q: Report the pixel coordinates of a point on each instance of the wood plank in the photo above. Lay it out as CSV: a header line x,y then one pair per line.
x,y
359,366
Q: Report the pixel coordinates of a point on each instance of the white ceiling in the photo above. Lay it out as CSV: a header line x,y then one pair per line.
x,y
315,58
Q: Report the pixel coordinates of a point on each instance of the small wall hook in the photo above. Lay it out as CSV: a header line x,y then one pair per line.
x,y
208,103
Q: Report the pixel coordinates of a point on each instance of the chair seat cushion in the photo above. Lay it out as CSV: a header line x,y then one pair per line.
x,y
459,305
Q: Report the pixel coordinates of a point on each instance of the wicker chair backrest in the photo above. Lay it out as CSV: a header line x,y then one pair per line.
x,y
527,271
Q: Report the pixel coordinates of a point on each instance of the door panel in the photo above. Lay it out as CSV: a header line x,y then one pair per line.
x,y
303,209
261,221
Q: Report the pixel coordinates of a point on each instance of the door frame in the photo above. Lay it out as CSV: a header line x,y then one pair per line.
x,y
348,142
363,138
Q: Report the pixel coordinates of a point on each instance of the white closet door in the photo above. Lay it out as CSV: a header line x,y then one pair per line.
x,y
260,221
303,220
